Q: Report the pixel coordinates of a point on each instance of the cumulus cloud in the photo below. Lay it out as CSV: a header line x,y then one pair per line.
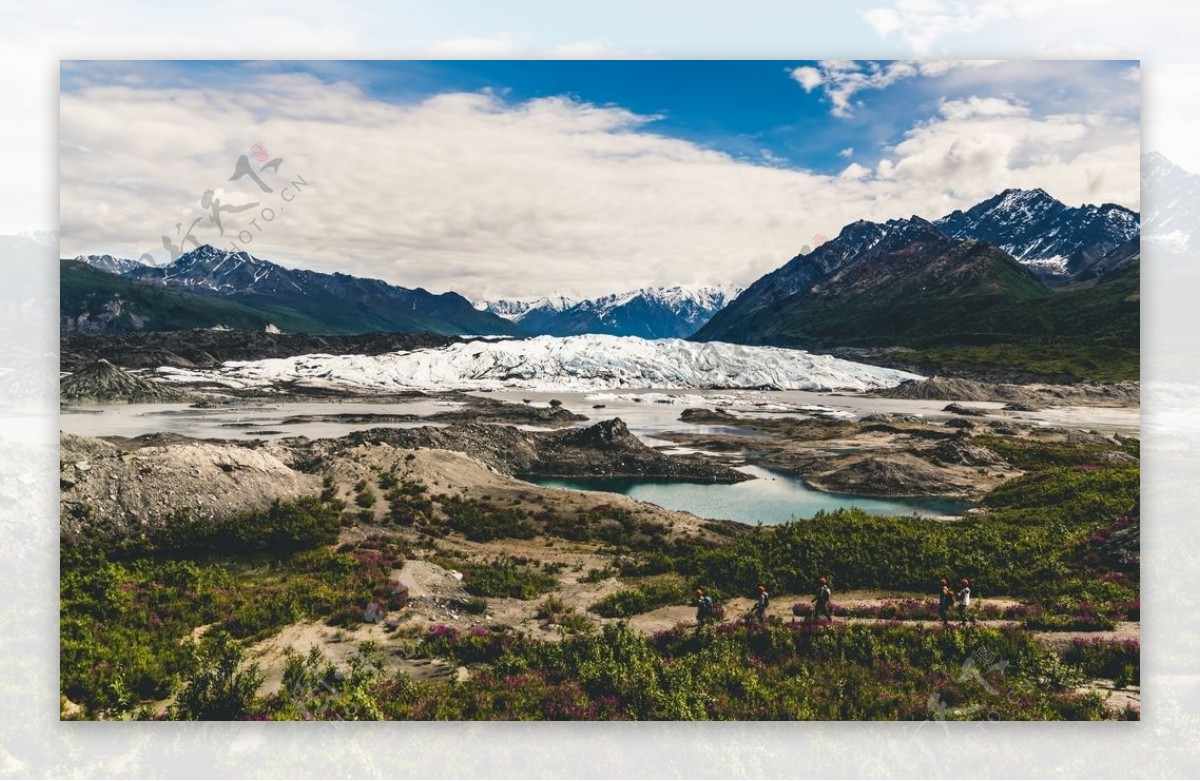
x,y
976,142
847,152
841,80
808,77
490,197
854,171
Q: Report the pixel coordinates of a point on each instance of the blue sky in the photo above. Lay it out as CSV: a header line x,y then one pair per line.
x,y
600,174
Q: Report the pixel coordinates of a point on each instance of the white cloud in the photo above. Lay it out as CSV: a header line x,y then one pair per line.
x,y
854,171
841,80
977,142
847,152
982,107
468,192
808,77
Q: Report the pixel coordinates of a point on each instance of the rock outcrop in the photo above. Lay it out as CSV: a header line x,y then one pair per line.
x,y
605,449
103,382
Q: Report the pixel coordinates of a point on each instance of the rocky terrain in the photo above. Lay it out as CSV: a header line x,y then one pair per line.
x,y
606,448
883,455
103,382
118,486
208,348
123,488
1119,394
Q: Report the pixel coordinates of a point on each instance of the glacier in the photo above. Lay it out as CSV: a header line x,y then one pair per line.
x,y
587,363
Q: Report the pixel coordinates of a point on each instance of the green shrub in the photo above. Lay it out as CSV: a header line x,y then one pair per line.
x,y
502,577
647,594
482,521
217,689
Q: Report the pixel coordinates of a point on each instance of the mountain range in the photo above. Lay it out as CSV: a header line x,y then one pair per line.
x,y
949,293
651,312
207,287
1171,199
1016,274
1057,242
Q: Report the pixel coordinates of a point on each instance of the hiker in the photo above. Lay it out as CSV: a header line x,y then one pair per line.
x,y
704,607
760,606
823,601
945,600
964,600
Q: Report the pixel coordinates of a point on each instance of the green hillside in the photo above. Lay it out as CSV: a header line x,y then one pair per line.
x,y
970,307
97,301
90,299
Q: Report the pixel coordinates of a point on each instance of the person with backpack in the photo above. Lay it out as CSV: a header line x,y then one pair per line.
x,y
964,600
945,600
823,601
704,607
760,606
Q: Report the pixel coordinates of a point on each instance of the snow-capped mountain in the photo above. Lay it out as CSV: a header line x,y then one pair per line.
x,y
222,271
1171,205
651,312
933,282
299,300
516,308
576,363
1056,241
111,264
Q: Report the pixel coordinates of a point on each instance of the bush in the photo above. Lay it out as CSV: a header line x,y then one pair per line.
x,y
216,689
483,522
646,595
502,577
284,528
597,575
1116,659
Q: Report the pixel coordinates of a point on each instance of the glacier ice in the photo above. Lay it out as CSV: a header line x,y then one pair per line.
x,y
585,363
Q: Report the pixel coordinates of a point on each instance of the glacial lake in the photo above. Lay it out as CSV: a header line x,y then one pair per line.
x,y
773,497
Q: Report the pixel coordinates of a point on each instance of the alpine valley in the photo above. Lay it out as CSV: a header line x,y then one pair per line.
x,y
439,508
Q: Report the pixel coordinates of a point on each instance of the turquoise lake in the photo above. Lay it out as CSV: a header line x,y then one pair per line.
x,y
774,497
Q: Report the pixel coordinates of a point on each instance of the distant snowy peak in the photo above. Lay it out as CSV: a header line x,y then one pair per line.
x,y
677,298
577,363
111,264
1171,205
1042,232
515,308
649,312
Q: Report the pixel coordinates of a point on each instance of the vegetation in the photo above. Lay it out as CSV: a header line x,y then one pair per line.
x,y
649,593
484,521
1027,545
123,624
169,616
282,529
1007,323
731,671
504,577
